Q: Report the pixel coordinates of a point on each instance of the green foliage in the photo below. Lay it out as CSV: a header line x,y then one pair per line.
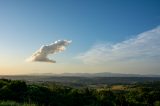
x,y
18,93
157,103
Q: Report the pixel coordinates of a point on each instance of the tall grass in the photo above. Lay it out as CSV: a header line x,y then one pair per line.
x,y
13,103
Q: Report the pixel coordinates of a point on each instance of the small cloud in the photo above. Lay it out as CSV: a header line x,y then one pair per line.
x,y
41,55
145,46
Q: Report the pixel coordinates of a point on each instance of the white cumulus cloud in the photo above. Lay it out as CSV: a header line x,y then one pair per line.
x,y
41,55
145,46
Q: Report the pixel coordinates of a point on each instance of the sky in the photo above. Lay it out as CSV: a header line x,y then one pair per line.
x,y
107,36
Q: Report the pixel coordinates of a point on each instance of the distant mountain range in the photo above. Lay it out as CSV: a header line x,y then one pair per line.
x,y
103,74
85,79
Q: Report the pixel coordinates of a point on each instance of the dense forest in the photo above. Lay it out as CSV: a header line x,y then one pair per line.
x,y
22,93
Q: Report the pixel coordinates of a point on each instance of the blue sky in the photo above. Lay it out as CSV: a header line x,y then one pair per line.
x,y
25,25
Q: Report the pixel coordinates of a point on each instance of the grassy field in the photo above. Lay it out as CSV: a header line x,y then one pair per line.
x,y
118,87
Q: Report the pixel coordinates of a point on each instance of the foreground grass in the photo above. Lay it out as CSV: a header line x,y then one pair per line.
x,y
13,103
